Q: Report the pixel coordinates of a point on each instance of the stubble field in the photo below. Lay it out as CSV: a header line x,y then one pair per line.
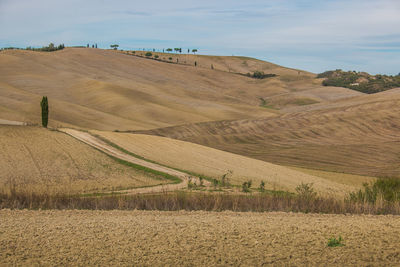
x,y
151,238
37,160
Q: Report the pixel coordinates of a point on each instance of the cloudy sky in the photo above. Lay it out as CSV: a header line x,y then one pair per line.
x,y
314,35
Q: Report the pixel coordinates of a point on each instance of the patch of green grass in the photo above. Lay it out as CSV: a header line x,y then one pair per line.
x,y
264,103
157,174
335,242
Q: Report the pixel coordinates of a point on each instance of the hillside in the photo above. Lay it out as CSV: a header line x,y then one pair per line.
x,y
215,163
34,159
108,90
358,135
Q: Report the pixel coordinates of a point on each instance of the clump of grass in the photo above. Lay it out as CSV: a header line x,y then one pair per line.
x,y
306,191
335,242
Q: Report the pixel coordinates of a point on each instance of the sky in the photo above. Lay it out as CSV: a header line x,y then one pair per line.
x,y
313,35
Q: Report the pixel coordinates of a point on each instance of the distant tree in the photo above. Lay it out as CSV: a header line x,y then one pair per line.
x,y
87,45
169,49
163,50
114,46
176,49
148,54
170,58
188,50
95,45
194,51
51,46
92,45
195,63
156,56
45,111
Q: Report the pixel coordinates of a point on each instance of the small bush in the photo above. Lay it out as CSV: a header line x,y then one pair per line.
x,y
306,191
148,54
262,186
246,186
333,242
156,56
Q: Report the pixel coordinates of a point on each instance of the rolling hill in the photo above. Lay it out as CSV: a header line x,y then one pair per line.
x,y
358,135
108,90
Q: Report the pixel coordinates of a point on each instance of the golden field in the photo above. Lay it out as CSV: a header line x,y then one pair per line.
x,y
108,90
37,160
215,163
153,238
358,135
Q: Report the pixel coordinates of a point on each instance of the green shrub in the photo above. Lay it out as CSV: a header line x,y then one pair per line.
x,y
262,186
333,242
387,189
148,54
246,186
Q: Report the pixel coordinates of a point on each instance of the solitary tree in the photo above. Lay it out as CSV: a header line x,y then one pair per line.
x,y
87,46
169,49
114,46
194,51
45,111
95,46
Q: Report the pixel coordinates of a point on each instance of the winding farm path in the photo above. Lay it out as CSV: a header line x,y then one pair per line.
x,y
108,149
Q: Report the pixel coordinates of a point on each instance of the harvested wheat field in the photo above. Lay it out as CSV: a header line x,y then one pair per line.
x,y
38,160
358,135
108,90
150,238
215,163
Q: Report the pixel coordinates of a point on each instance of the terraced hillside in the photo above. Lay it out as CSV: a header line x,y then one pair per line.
x,y
108,90
34,159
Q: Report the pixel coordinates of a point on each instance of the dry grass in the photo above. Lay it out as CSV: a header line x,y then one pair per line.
x,y
106,90
215,163
34,159
140,238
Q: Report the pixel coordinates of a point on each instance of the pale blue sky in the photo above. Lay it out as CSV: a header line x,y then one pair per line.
x,y
314,35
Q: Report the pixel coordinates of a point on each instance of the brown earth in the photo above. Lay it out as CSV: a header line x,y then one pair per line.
x,y
34,159
358,135
151,238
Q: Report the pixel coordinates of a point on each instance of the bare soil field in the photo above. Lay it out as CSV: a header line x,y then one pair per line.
x,y
40,160
149,238
215,163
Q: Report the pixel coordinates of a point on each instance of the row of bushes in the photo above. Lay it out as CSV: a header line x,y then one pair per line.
x,y
380,198
50,48
260,75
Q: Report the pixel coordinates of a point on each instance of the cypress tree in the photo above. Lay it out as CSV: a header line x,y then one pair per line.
x,y
45,111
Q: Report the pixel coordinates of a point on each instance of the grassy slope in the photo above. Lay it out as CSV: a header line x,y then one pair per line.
x,y
214,163
107,90
37,160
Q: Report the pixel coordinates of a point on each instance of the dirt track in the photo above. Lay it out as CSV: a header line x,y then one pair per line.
x,y
99,144
152,238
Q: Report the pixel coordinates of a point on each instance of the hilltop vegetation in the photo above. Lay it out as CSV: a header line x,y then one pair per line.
x,y
360,81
